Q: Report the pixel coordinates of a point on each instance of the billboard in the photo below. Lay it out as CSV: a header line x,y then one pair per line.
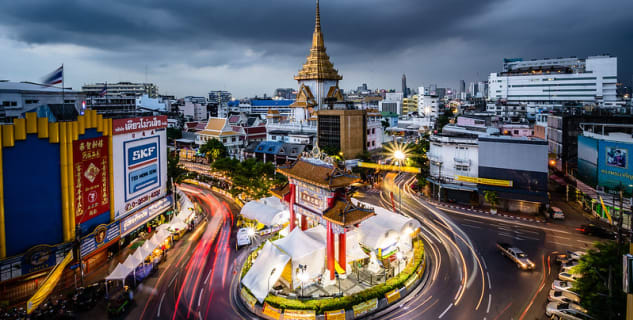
x,y
614,167
139,152
91,178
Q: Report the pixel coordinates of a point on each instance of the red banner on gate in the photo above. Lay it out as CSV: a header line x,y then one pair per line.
x,y
91,178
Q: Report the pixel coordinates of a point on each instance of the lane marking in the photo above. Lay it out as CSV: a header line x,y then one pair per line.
x,y
172,279
160,304
471,220
583,241
445,311
489,285
206,280
489,300
566,238
200,297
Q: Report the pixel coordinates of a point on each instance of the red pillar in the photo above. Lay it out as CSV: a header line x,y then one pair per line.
x,y
341,250
330,250
304,223
293,191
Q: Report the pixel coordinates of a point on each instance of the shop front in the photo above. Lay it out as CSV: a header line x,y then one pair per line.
x,y
144,220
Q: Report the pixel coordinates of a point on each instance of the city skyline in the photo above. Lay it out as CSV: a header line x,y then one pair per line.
x,y
192,48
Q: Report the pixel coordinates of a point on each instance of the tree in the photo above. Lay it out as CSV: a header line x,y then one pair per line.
x,y
385,124
213,149
252,178
173,134
174,170
443,119
601,297
491,197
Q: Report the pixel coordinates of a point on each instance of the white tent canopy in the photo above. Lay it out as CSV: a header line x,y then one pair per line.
x,y
353,251
120,272
265,271
265,214
303,250
385,228
274,202
317,233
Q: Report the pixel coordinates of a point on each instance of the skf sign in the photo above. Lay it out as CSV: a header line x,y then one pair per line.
x,y
142,153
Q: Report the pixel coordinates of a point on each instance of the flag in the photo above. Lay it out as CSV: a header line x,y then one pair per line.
x,y
104,91
49,284
55,77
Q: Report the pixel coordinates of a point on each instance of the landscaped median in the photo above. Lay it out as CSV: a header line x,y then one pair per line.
x,y
346,307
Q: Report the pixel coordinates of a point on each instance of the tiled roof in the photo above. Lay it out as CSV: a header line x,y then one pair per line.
x,y
281,192
325,176
215,124
344,213
277,103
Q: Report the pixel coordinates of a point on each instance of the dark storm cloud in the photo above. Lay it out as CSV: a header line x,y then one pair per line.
x,y
391,35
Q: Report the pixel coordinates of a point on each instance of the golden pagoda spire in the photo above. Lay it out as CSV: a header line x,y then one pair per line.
x,y
318,65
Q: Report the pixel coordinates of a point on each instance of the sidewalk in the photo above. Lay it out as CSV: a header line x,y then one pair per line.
x,y
476,210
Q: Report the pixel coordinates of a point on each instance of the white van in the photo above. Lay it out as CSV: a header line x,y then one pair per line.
x,y
557,213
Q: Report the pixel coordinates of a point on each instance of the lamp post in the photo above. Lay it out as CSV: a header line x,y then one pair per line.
x,y
398,260
270,276
302,275
400,156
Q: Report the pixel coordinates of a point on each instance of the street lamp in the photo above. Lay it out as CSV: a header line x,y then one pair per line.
x,y
302,275
270,276
398,259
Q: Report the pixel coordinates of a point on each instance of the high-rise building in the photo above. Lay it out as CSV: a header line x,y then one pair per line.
x,y
462,86
285,93
343,130
219,96
121,89
404,85
17,98
557,81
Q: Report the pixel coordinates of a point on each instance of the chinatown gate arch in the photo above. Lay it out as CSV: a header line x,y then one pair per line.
x,y
317,192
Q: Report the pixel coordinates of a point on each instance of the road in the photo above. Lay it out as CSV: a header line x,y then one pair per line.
x,y
469,279
195,283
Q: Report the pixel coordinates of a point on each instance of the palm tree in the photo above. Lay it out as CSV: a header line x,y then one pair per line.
x,y
491,197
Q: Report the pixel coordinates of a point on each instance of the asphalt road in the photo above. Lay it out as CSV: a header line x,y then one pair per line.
x,y
470,279
196,283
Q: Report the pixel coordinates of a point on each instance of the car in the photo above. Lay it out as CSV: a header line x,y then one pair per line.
x,y
565,276
596,231
562,296
557,213
557,310
568,266
516,255
562,286
576,255
243,237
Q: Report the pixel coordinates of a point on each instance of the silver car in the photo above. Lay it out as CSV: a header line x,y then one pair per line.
x,y
556,310
562,296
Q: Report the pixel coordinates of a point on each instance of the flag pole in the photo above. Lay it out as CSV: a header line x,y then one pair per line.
x,y
63,98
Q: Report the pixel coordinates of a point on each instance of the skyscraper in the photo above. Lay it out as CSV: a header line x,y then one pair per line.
x,y
462,86
404,85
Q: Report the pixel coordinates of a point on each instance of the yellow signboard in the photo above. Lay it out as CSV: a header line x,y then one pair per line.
x,y
299,314
365,307
335,315
491,182
49,284
248,298
271,311
388,167
392,295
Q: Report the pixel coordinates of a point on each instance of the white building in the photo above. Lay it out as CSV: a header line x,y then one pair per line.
x,y
392,103
232,137
194,111
156,104
428,106
374,130
16,98
452,156
122,89
555,81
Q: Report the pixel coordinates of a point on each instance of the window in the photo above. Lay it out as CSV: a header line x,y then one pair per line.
x,y
223,140
515,131
373,130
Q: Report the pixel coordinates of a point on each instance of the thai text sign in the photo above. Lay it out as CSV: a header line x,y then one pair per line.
x,y
91,178
490,182
120,126
387,167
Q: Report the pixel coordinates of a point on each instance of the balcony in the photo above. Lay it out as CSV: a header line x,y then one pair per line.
x,y
461,161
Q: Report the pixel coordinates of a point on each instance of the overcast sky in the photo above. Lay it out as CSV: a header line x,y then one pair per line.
x,y
249,47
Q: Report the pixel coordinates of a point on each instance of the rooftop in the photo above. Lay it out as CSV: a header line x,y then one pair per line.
x,y
322,175
344,213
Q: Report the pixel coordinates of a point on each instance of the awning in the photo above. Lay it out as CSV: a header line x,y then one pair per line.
x,y
589,191
558,180
265,214
120,272
265,271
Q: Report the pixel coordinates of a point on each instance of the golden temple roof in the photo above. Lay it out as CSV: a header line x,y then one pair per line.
x,y
324,176
345,214
318,65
